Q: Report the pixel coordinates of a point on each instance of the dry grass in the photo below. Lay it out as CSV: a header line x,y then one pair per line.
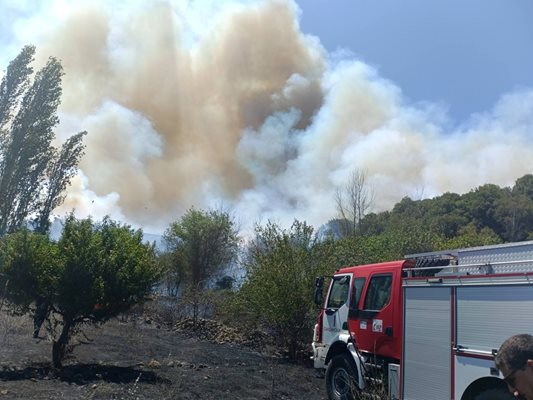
x,y
12,326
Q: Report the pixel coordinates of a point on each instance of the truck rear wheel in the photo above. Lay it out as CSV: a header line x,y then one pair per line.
x,y
495,394
341,378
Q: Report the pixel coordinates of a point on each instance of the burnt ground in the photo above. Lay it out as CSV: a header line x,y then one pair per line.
x,y
139,358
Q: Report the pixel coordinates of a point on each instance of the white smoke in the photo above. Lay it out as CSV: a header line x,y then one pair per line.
x,y
202,103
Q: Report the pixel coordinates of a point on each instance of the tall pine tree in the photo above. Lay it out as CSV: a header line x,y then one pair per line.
x,y
33,174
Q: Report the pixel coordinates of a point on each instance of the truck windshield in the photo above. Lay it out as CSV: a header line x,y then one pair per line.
x,y
338,294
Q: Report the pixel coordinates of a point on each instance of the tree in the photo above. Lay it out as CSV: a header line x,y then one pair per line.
x,y
482,205
33,174
469,236
445,214
524,186
514,214
30,268
278,289
202,244
93,273
173,275
60,170
375,223
392,244
353,201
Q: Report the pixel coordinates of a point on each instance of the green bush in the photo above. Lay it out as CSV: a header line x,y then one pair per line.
x,y
277,293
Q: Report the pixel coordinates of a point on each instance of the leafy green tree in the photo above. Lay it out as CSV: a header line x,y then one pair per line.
x,y
281,266
393,244
375,223
93,273
33,174
524,186
408,207
515,216
482,205
514,211
469,236
30,266
445,215
202,243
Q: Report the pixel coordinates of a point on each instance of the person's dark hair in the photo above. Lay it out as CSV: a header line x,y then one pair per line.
x,y
514,352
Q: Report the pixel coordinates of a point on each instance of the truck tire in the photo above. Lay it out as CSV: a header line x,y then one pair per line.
x,y
341,376
495,394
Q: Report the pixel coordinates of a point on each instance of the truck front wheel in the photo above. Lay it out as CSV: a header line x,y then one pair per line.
x,y
341,378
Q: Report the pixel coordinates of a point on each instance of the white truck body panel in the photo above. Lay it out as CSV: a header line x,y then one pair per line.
x,y
487,315
426,354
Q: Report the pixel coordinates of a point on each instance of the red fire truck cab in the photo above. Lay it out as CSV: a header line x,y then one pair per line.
x,y
426,327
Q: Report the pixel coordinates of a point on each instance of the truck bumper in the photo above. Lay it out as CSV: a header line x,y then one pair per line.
x,y
319,355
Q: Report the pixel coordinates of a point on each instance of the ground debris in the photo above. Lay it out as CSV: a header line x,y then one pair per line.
x,y
219,333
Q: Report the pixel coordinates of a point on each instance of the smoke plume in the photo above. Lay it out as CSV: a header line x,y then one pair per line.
x,y
210,103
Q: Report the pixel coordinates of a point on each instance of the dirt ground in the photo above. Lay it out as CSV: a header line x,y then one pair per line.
x,y
141,359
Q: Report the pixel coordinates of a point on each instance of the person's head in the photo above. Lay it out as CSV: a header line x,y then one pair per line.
x,y
515,361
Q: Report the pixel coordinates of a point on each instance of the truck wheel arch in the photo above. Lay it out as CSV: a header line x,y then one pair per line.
x,y
336,348
479,386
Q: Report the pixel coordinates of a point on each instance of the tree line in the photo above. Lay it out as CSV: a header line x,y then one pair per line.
x,y
487,213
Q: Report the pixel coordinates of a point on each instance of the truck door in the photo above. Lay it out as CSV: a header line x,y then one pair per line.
x,y
336,312
373,324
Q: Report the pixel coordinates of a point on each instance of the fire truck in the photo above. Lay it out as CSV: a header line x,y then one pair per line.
x,y
426,327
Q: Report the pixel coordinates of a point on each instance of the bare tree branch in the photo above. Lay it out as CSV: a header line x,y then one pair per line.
x,y
353,200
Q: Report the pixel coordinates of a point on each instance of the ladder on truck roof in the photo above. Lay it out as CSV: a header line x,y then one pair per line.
x,y
505,258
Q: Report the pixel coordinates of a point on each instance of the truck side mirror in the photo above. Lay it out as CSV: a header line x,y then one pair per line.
x,y
319,285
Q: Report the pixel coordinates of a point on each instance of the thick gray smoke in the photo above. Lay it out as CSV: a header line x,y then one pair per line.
x,y
209,103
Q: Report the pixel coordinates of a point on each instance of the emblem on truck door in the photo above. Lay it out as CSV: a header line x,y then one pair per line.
x,y
377,325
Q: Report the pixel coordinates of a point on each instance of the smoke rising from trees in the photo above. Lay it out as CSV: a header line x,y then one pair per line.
x,y
197,104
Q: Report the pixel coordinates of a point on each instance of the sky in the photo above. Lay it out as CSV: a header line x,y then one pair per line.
x,y
460,54
265,107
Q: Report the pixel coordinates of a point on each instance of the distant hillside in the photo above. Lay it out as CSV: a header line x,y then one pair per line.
x,y
505,213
